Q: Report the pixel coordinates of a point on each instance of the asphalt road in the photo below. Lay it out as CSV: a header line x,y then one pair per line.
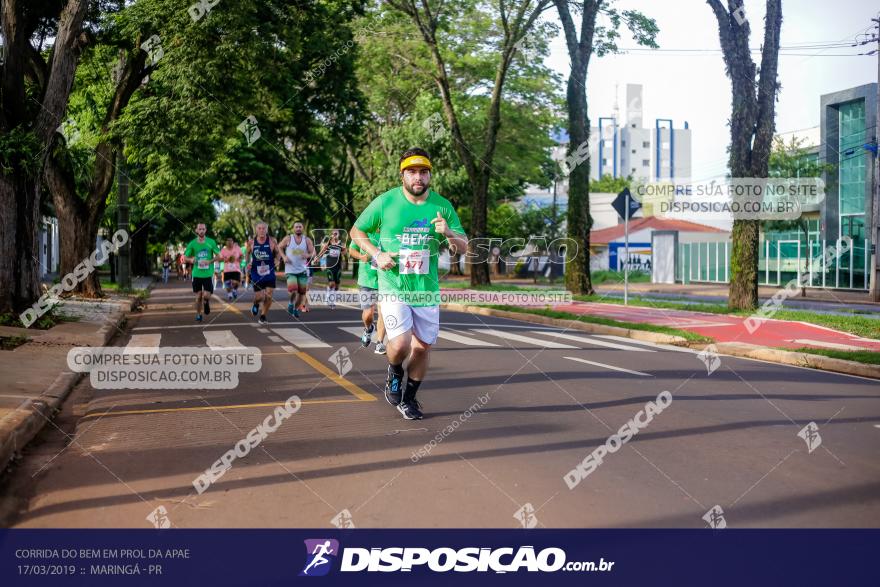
x,y
550,397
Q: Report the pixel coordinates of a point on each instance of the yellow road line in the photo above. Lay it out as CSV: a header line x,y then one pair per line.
x,y
206,408
336,378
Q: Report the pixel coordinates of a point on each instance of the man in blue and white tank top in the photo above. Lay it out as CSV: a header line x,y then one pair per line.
x,y
264,255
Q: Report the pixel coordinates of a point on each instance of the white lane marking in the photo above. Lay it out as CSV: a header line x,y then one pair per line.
x,y
143,341
521,338
288,349
465,340
579,360
300,338
355,330
658,345
274,338
221,339
830,345
263,330
593,341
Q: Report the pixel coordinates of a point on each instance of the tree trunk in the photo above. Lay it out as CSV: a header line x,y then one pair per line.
x,y
752,123
580,222
20,190
577,267
19,236
479,265
744,264
77,226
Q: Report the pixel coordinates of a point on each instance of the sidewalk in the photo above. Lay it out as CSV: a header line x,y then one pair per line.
x,y
39,378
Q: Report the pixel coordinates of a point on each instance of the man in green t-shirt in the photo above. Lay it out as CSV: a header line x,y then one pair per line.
x,y
411,220
201,253
368,288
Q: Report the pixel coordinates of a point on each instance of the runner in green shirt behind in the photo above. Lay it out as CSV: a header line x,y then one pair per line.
x,y
202,252
411,220
368,288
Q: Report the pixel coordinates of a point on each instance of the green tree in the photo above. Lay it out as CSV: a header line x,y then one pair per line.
x,y
484,40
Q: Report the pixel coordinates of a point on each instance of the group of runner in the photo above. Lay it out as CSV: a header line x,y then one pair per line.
x,y
396,241
232,264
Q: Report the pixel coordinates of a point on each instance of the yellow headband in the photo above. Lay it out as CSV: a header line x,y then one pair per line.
x,y
415,160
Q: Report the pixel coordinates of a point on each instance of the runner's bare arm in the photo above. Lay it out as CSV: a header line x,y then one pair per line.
x,y
279,256
250,247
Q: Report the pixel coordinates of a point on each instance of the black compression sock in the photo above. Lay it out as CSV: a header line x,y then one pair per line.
x,y
412,386
396,369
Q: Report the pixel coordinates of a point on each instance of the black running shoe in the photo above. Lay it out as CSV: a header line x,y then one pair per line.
x,y
393,385
263,320
411,410
207,307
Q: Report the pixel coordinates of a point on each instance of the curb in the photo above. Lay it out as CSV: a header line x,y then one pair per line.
x,y
821,362
33,414
735,349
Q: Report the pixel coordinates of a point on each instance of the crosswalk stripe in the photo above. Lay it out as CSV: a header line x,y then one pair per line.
x,y
221,339
593,341
143,341
521,338
655,345
300,338
465,340
597,364
355,330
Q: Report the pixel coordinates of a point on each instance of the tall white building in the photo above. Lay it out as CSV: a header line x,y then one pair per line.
x,y
626,147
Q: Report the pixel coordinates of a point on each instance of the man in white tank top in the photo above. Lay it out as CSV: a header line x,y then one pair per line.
x,y
298,250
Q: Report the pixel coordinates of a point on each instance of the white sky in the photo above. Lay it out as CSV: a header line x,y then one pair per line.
x,y
695,87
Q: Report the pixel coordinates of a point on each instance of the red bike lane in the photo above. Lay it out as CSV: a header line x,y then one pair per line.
x,y
728,328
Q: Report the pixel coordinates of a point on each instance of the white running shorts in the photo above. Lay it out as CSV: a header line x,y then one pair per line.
x,y
399,318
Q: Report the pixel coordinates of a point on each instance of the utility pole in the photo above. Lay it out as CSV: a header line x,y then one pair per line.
x,y
875,264
124,253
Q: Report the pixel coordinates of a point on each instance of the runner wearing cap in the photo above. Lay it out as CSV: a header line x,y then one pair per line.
x,y
412,221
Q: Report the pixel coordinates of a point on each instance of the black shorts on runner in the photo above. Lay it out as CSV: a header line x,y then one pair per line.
x,y
231,276
334,274
203,283
261,285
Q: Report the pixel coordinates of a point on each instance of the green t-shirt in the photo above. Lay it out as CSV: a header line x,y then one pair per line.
x,y
368,274
406,228
203,252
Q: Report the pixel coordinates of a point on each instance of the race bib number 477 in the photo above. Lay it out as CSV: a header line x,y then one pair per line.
x,y
414,261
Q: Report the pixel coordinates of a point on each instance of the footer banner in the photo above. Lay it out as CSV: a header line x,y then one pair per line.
x,y
438,557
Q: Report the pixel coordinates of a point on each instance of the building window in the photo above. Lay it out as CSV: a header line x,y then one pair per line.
x,y
646,163
622,142
634,151
646,144
851,169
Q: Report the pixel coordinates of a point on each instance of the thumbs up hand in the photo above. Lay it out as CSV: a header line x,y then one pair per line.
x,y
440,224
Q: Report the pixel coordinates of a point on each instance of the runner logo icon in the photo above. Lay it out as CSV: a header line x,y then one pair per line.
x,y
320,554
